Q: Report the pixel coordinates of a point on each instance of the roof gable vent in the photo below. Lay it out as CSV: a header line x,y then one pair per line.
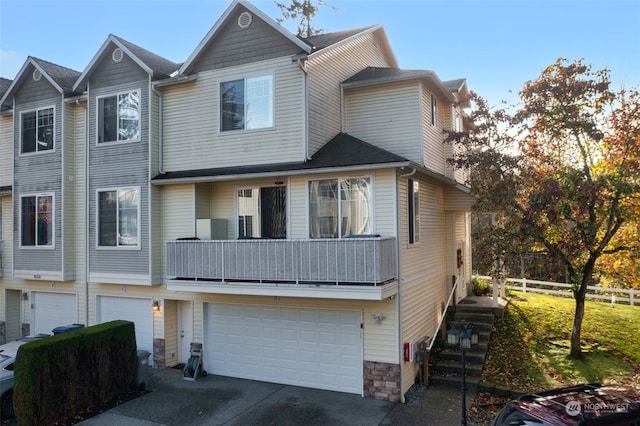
x,y
117,55
244,20
37,75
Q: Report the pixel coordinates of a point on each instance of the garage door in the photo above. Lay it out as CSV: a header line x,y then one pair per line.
x,y
314,348
51,310
131,309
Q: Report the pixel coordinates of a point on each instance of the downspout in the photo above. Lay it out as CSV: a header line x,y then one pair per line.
x,y
399,263
86,208
305,89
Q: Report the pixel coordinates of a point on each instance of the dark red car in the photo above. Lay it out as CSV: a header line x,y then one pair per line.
x,y
588,404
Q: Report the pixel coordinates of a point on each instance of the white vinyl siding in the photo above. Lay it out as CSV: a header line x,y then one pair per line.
x,y
6,147
388,117
424,268
434,151
326,71
191,113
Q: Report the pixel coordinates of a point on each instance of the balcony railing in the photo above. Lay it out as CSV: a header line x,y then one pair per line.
x,y
369,261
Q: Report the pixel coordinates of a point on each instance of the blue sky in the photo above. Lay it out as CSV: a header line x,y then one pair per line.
x,y
497,45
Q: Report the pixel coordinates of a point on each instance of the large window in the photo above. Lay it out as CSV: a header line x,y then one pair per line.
x,y
413,200
119,117
37,130
246,104
118,218
339,207
36,227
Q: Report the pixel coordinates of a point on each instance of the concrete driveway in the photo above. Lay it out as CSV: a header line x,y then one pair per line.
x,y
217,400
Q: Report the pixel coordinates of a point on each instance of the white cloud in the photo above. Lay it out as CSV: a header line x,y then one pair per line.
x,y
10,63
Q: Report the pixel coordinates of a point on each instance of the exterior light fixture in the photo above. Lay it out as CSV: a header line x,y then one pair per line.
x,y
156,305
378,317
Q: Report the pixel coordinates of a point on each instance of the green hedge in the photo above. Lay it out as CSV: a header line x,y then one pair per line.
x,y
75,372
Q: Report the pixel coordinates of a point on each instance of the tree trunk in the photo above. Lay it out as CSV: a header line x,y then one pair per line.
x,y
576,349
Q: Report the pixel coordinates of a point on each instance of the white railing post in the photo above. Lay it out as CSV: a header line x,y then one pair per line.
x,y
524,285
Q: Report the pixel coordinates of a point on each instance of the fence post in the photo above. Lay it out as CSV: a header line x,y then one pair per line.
x,y
632,291
524,284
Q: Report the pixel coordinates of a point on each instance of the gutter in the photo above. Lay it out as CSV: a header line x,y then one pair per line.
x,y
160,130
301,60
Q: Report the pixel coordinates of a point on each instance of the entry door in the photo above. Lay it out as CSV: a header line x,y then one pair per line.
x,y
273,204
185,330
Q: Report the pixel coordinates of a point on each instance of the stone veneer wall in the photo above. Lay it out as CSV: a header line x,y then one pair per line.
x,y
3,333
158,353
382,381
26,329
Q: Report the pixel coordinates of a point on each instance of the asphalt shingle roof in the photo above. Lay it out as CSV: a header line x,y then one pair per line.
x,y
63,76
343,150
325,40
161,67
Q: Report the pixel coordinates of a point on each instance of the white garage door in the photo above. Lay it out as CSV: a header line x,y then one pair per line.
x,y
131,309
51,310
314,348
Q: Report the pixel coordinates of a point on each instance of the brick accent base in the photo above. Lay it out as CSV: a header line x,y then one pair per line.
x,y
382,381
158,353
26,329
3,333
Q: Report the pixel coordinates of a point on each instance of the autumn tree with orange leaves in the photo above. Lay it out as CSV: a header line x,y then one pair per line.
x,y
561,172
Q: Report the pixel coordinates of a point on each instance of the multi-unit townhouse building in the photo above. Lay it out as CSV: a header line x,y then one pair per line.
x,y
283,203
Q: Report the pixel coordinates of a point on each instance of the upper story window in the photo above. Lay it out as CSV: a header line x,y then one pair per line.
x,y
118,218
246,104
434,110
340,207
119,117
413,207
36,225
37,130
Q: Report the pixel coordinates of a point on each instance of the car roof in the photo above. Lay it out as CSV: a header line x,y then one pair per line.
x,y
11,348
552,406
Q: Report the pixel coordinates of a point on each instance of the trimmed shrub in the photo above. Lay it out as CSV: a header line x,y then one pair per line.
x,y
61,376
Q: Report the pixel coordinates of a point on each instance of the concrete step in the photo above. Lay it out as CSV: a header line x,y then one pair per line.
x,y
475,317
471,383
480,327
453,367
477,357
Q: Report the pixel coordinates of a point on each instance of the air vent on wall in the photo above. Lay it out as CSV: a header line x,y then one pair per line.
x,y
37,75
244,20
117,55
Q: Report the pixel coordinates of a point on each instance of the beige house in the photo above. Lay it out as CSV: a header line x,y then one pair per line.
x,y
283,203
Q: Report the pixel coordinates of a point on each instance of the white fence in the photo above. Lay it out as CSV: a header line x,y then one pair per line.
x,y
615,295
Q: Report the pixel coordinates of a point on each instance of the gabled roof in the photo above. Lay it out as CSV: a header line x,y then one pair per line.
x,y
156,66
4,86
342,152
322,43
61,78
221,22
459,88
376,75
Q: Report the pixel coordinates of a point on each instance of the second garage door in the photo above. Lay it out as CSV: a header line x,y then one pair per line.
x,y
314,348
136,310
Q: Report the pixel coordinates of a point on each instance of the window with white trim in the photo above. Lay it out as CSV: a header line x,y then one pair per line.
x,y
246,103
118,218
434,110
37,223
37,130
413,207
340,207
119,117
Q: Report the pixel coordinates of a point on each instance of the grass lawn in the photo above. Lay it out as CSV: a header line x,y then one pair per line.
x,y
530,346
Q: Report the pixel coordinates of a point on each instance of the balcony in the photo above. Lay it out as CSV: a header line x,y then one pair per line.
x,y
351,268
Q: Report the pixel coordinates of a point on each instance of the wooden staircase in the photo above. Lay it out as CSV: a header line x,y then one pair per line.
x,y
447,367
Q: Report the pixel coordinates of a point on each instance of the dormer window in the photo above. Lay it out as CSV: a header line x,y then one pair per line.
x,y
37,130
119,117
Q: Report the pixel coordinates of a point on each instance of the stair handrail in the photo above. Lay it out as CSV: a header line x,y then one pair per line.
x,y
444,313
